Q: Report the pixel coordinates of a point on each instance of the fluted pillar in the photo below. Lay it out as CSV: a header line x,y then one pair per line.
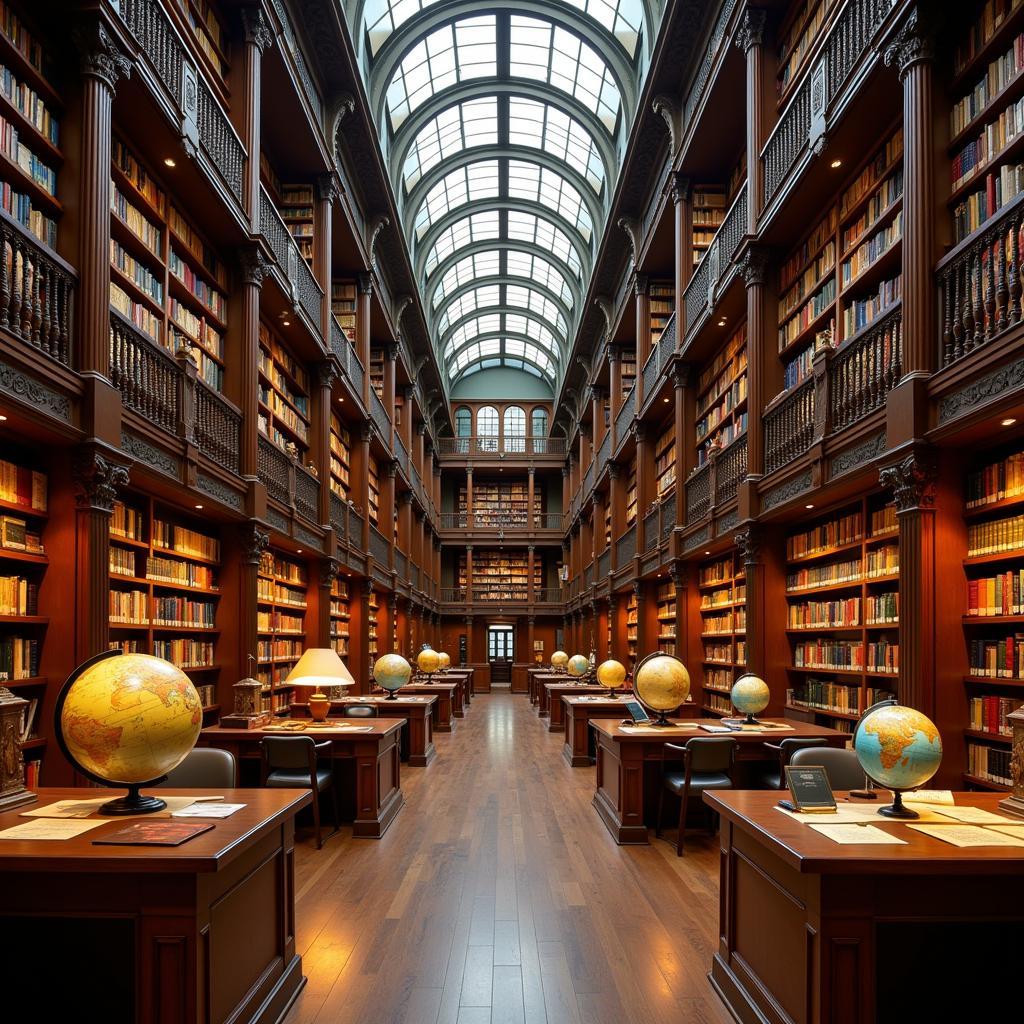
x,y
748,542
253,270
326,193
753,267
681,192
326,376
257,37
750,39
365,293
642,311
252,542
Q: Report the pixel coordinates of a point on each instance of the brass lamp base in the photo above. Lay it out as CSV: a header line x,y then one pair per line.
x,y
319,706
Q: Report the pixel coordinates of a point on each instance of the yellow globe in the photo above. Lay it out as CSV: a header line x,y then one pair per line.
x,y
129,719
428,660
559,660
392,671
578,665
662,682
611,673
443,660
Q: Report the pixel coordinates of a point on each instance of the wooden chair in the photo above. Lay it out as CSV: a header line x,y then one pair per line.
x,y
292,762
841,766
784,750
707,764
204,768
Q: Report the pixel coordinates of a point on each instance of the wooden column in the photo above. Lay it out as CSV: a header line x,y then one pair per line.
x,y
390,358
617,498
586,450
685,431
102,65
97,481
361,454
257,36
682,219
469,498
326,193
615,388
326,376
642,638
911,52
531,520
750,39
643,334
253,270
253,541
531,592
530,623
408,394
566,492
469,574
330,569
597,424
748,542
363,331
600,510
386,510
644,471
912,482
405,525
753,267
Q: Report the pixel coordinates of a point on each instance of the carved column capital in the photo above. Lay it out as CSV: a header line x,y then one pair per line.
x,y
99,55
682,376
327,188
391,468
749,543
365,284
680,187
912,480
253,267
256,30
330,570
750,31
614,469
405,498
97,480
254,542
912,43
641,284
753,266
327,374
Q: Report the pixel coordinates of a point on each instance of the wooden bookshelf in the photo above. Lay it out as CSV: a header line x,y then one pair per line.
x,y
373,491
340,617
842,621
31,111
373,604
631,495
164,277
281,600
297,212
661,302
665,461
208,27
501,575
993,622
627,368
340,458
721,600
666,615
164,591
708,213
283,395
797,36
721,412
501,503
344,305
377,371
632,631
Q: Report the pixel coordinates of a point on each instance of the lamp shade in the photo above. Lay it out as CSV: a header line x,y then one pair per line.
x,y
319,666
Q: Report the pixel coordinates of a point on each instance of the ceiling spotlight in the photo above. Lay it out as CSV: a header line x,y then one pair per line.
x,y
665,400
199,508
3,419
808,506
169,161
1008,422
707,552
721,323
836,164
298,551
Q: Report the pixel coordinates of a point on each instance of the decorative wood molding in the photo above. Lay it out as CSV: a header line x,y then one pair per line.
x,y
256,28
142,450
24,387
702,536
631,227
748,542
750,31
752,266
787,490
277,520
97,480
912,43
219,491
253,542
666,108
858,455
912,480
99,55
252,266
993,385
308,538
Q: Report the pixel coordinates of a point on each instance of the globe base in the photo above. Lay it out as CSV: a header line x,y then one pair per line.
x,y
662,721
133,803
897,809
392,695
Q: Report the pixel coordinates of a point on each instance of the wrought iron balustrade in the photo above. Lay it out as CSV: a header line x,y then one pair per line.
x,y
218,427
789,427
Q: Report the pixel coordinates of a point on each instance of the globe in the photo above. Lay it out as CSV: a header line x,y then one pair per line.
x,y
611,674
750,695
898,748
559,660
662,683
127,720
444,661
578,665
392,672
428,660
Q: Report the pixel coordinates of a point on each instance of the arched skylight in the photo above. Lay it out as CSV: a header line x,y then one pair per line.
x,y
453,131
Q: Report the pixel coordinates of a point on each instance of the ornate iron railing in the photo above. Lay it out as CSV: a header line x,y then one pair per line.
x,y
789,427
604,561
337,515
218,427
275,231
668,515
401,565
698,494
496,445
310,293
380,416
625,547
731,469
624,420
650,534
274,468
307,495
700,80
733,229
695,298
379,546
218,138
37,293
401,454
604,452
146,376
355,526
865,370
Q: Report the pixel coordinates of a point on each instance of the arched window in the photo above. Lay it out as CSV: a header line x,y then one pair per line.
x,y
463,429
539,430
487,428
515,429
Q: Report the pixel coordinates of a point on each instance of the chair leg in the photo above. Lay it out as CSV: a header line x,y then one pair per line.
x,y
661,807
316,819
682,821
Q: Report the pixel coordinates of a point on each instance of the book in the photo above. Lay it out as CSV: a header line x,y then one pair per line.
x,y
153,833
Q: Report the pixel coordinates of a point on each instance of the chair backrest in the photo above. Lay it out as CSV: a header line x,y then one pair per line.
x,y
359,710
204,768
789,747
711,753
841,766
287,751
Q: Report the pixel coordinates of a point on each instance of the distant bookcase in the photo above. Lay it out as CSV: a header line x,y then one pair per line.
x,y
164,590
796,38
341,458
297,213
373,605
627,361
341,616
661,299
665,461
667,618
708,214
284,415
631,496
281,599
632,630
498,504
993,622
344,305
721,412
373,491
500,575
209,31
722,604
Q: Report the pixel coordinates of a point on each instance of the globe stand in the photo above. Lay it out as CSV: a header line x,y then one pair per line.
x,y
133,803
662,721
897,809
391,695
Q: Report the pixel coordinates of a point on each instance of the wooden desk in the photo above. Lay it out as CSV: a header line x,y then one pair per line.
x,y
464,677
444,708
459,698
204,931
577,712
551,701
417,735
531,682
811,931
627,791
563,680
371,795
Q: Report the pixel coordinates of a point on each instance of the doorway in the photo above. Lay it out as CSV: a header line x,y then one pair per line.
x,y
501,654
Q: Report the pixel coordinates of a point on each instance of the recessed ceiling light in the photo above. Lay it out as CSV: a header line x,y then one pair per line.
x,y
808,506
299,551
199,507
286,323
169,161
721,323
1008,422
3,419
707,552
835,164
665,400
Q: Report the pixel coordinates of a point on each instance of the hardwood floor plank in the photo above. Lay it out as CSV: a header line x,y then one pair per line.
x,y
507,996
477,977
506,944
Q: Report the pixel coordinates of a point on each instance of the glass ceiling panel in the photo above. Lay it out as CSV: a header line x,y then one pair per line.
x,y
381,18
536,302
468,124
458,187
542,185
478,298
533,268
474,228
543,52
469,268
454,53
542,126
624,20
527,227
489,323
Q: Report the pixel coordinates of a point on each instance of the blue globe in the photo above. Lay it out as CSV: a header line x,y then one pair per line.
x,y
750,694
898,747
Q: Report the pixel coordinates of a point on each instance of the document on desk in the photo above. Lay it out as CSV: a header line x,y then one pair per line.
x,y
842,815
85,808
965,815
660,730
857,834
50,828
968,835
1017,831
207,810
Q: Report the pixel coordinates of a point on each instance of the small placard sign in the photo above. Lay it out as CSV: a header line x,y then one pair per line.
x,y
810,788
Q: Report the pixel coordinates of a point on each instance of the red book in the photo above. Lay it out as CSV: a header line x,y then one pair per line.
x,y
153,833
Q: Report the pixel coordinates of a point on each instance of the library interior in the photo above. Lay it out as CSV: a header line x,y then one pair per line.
x,y
511,514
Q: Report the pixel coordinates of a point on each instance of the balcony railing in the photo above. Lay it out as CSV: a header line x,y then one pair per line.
x,y
698,494
625,547
380,417
496,519
401,565
731,469
294,268
864,371
274,470
548,595
337,516
307,494
379,546
401,454
604,561
659,357
789,427
980,286
218,428
501,446
148,378
37,291
624,420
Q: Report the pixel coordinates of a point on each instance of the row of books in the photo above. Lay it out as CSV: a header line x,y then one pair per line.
x,y
883,561
137,312
861,312
214,301
126,522
996,536
185,652
989,142
988,714
19,535
716,598
996,595
29,714
144,229
733,396
718,679
20,207
135,271
282,569
997,658
808,280
121,561
125,161
718,702
889,192
19,657
823,230
275,701
183,541
811,614
824,575
801,366
173,570
713,625
992,764
22,486
847,655
811,310
990,18
996,481
18,596
999,73
872,250
882,609
716,572
182,611
826,695
872,174
846,529
268,650
279,622
197,328
719,652
733,347
799,40
724,436
883,520
129,606
207,694
1000,187
724,381
183,231
29,104
18,153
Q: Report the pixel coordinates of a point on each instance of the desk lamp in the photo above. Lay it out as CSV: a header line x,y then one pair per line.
x,y
319,666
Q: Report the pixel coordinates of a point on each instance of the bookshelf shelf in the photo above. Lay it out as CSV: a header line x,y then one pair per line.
x,y
721,613
666,617
500,503
281,605
709,202
721,411
284,402
632,630
661,302
987,737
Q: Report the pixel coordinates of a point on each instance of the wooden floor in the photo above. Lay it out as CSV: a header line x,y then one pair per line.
x,y
498,897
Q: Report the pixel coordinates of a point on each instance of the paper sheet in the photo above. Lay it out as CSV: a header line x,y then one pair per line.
x,y
966,815
968,835
658,728
85,808
207,810
857,835
848,813
50,828
930,796
1017,831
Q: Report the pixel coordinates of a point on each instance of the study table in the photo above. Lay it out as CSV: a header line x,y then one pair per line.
x,y
200,932
466,676
367,773
578,710
458,689
629,763
443,709
551,706
862,933
531,682
417,709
